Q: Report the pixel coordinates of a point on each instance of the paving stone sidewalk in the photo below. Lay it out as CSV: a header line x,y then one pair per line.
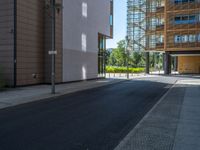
x,y
23,95
173,123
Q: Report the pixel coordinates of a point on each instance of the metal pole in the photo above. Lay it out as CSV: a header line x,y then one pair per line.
x,y
53,46
127,57
127,65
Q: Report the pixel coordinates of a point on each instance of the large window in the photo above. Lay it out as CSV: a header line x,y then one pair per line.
x,y
186,19
159,39
183,1
192,38
187,38
177,39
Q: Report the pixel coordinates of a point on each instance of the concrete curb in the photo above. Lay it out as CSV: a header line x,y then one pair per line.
x,y
124,141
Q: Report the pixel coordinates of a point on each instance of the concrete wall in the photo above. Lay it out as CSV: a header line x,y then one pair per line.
x,y
80,37
189,64
7,40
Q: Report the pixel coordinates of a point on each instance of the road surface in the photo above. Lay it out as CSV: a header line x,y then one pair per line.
x,y
95,119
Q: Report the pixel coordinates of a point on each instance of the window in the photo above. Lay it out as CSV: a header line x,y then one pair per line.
x,y
183,1
184,38
198,37
84,9
111,20
192,38
84,42
177,39
159,39
185,19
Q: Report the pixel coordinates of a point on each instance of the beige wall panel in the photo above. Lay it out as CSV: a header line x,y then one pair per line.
x,y
189,64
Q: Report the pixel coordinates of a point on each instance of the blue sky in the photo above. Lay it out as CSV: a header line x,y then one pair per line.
x,y
119,23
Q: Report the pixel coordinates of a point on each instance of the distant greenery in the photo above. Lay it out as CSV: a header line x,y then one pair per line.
x,y
2,82
118,57
111,69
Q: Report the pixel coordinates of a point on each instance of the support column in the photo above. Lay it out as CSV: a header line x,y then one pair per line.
x,y
176,63
167,63
147,62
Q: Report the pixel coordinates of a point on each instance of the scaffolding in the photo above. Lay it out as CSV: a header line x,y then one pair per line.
x,y
136,24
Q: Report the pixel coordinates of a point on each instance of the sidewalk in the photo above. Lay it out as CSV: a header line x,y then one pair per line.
x,y
13,97
173,123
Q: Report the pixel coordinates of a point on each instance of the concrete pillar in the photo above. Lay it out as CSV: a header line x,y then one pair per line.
x,y
147,62
167,63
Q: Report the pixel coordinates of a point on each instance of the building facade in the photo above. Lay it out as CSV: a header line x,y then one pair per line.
x,y
81,29
168,26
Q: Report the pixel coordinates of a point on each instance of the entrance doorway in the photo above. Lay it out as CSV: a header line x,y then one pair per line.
x,y
101,56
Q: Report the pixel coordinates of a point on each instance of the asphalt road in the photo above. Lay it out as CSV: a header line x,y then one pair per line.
x,y
95,119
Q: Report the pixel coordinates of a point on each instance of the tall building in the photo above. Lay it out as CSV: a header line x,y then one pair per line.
x,y
81,30
168,26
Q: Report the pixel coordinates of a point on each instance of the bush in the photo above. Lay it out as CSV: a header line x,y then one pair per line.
x,y
112,69
2,82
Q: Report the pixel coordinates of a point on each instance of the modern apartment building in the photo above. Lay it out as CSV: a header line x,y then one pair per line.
x,y
81,29
168,26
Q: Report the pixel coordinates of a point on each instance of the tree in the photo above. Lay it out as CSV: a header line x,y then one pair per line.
x,y
118,55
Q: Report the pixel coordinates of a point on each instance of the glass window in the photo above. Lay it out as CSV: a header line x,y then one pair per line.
x,y
198,37
111,20
177,39
177,18
84,9
84,42
184,17
185,38
192,38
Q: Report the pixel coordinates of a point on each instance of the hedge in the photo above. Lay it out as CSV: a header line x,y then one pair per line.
x,y
112,69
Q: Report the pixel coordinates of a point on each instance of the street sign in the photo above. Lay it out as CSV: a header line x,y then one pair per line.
x,y
52,52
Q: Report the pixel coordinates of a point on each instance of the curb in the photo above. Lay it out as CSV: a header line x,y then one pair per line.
x,y
44,96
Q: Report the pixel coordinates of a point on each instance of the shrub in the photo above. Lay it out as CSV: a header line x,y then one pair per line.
x,y
112,69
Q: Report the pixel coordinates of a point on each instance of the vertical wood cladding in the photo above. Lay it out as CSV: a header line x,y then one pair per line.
x,y
189,64
7,40
30,42
33,43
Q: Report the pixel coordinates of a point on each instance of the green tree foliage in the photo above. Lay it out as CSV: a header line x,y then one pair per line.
x,y
137,59
118,55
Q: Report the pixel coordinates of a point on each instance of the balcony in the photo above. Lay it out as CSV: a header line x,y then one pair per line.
x,y
159,45
185,6
183,27
191,46
160,9
160,27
